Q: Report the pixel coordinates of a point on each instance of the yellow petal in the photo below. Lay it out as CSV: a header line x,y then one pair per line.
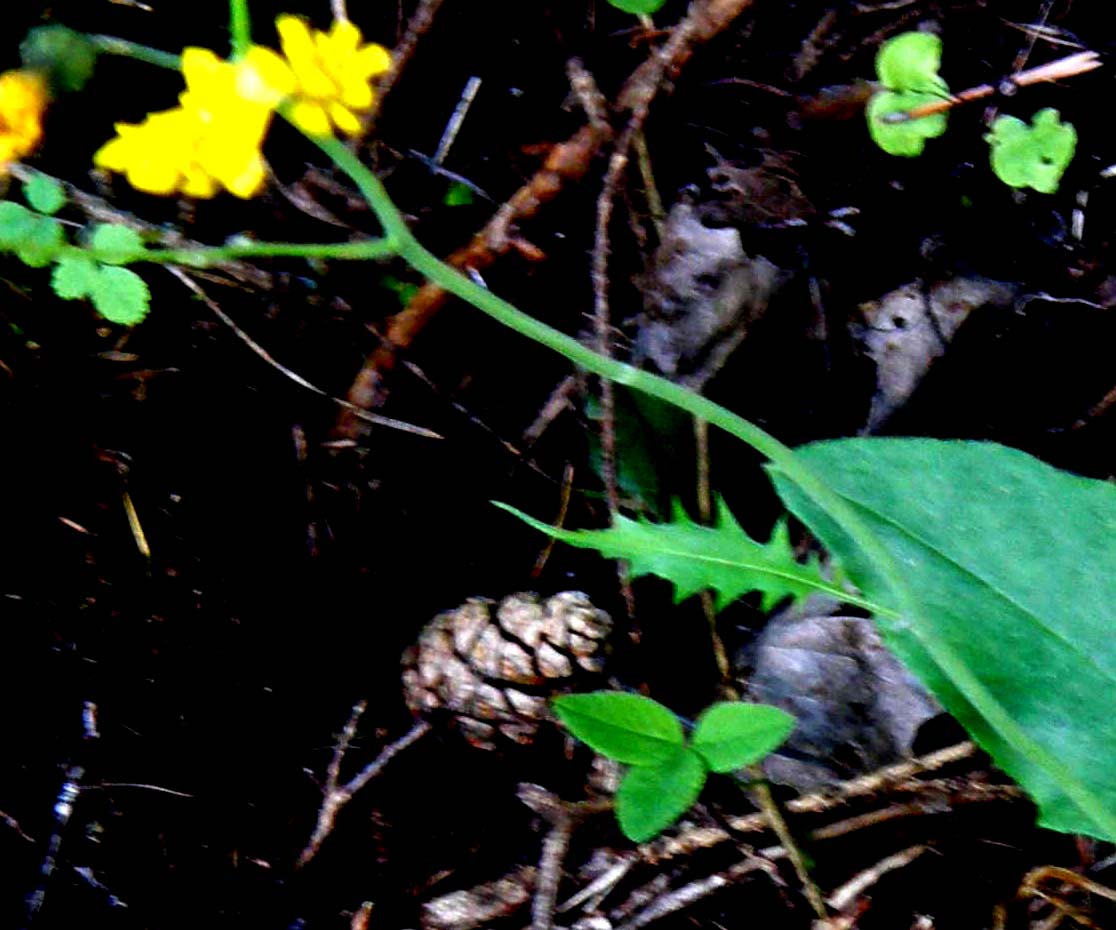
x,y
310,118
344,120
371,60
344,38
264,77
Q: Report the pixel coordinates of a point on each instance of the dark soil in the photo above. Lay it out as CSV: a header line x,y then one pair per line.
x,y
286,576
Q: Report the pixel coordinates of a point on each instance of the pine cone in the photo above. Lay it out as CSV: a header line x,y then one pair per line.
x,y
492,668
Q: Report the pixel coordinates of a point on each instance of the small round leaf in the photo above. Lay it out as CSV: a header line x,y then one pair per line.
x,y
44,193
114,244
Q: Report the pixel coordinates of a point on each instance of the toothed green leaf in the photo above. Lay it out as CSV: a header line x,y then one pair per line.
x,y
721,558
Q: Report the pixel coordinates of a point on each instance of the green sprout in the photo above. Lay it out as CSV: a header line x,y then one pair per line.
x,y
1032,156
666,772
638,7
907,68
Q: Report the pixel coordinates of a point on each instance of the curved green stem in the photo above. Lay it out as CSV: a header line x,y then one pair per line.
x,y
201,257
111,45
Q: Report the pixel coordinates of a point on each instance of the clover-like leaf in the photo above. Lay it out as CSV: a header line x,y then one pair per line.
x,y
652,797
733,734
115,244
120,295
16,224
75,275
910,62
42,241
906,137
44,193
1034,155
629,728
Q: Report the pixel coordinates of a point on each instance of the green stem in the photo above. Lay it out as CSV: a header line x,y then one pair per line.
x,y
201,257
240,27
111,45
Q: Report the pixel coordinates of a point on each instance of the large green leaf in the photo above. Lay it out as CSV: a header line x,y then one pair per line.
x,y
1001,597
696,558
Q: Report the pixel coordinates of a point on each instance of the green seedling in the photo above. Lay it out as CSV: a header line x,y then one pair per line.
x,y
88,270
907,68
666,771
911,108
1033,155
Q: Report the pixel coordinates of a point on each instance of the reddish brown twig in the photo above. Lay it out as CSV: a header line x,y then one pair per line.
x,y
1067,67
567,162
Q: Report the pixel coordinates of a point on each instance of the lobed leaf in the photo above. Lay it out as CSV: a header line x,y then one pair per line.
x,y
651,798
1035,155
733,734
696,558
1003,604
629,728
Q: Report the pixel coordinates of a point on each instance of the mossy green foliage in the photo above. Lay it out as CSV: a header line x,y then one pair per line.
x,y
667,771
1034,155
907,68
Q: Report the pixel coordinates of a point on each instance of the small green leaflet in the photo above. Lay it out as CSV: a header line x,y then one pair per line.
x,y
120,295
732,734
651,798
44,193
73,275
666,774
910,61
1032,156
907,67
629,728
114,244
906,138
696,558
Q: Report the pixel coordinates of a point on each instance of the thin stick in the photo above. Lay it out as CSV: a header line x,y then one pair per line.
x,y
1067,67
286,372
336,795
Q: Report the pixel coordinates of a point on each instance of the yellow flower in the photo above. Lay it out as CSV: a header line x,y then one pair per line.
x,y
212,139
332,72
23,100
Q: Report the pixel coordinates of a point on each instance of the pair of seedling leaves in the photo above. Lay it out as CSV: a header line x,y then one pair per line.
x,y
90,269
1034,155
989,573
666,771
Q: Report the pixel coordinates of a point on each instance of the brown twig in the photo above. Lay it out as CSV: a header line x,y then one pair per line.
x,y
336,795
1067,67
567,162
